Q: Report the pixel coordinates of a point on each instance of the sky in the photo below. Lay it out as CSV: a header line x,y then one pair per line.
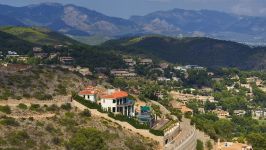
x,y
127,8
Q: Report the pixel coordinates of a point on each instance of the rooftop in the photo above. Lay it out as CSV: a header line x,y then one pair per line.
x,y
114,94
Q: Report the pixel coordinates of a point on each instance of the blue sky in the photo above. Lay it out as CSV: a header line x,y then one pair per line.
x,y
126,8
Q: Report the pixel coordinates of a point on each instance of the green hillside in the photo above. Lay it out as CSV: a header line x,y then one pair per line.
x,y
10,42
201,51
41,36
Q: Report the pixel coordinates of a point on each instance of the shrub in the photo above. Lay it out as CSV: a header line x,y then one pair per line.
x,y
200,145
35,107
87,103
50,128
21,139
42,96
8,121
22,106
134,144
61,89
86,113
52,108
135,123
66,106
56,140
5,109
86,139
157,132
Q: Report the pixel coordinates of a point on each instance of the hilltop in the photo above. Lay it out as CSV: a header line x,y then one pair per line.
x,y
201,51
38,35
9,41
23,39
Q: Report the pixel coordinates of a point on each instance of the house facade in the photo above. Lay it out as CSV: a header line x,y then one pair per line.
x,y
111,100
117,102
89,94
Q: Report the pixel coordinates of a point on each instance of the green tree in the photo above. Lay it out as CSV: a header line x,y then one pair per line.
x,y
5,109
86,139
200,145
209,145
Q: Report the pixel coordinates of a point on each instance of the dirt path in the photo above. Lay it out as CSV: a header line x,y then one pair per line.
x,y
59,100
34,116
125,125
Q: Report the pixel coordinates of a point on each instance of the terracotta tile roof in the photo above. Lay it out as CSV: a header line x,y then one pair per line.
x,y
87,92
115,95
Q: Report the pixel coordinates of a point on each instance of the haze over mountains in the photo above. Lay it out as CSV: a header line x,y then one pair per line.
x,y
79,21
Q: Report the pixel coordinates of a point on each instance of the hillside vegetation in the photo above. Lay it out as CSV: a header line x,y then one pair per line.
x,y
38,82
40,36
23,39
200,51
69,129
8,42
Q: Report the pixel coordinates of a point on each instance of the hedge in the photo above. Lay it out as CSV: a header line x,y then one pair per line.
x,y
157,132
131,121
88,104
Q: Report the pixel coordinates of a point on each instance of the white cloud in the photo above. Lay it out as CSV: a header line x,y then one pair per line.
x,y
250,7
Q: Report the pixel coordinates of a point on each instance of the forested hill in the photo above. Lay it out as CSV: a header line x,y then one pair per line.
x,y
11,42
201,51
23,39
38,35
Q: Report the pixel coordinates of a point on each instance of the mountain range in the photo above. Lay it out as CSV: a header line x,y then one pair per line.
x,y
79,21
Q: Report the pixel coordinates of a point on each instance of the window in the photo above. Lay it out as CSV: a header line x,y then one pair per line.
x,y
113,109
114,101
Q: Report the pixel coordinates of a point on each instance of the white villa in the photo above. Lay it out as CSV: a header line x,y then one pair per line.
x,y
89,94
112,100
117,101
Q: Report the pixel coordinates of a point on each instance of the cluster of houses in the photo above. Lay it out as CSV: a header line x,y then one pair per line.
x,y
64,60
38,52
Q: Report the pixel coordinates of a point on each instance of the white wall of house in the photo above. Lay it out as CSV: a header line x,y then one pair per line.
x,y
91,98
111,105
107,103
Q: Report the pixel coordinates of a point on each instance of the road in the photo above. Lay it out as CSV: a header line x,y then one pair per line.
x,y
186,140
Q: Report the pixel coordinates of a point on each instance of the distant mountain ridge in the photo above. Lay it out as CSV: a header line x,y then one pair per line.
x,y
80,21
194,51
68,19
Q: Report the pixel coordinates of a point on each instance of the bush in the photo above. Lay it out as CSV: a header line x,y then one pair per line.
x,y
22,106
86,139
20,139
42,96
8,121
5,109
66,106
134,144
157,132
50,128
52,108
200,145
135,123
35,107
87,103
56,140
61,90
86,113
